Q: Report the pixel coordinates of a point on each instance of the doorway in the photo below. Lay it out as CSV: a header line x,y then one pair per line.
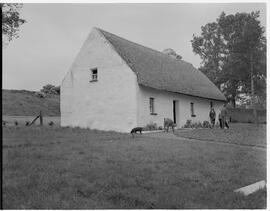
x,y
175,112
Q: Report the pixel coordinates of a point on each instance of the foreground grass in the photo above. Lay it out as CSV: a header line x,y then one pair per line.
x,y
243,134
54,168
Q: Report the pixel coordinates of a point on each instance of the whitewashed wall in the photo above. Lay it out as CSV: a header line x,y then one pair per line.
x,y
108,104
164,107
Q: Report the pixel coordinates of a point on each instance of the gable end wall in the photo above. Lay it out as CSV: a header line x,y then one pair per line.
x,y
108,104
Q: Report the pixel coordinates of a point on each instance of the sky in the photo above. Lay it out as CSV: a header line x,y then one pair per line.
x,y
54,34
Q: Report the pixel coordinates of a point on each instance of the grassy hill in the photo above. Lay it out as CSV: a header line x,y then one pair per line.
x,y
26,103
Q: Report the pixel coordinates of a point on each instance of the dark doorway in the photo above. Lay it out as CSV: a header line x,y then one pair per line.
x,y
174,112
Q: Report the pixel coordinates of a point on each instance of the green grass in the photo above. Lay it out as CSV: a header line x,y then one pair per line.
x,y
243,134
26,103
61,168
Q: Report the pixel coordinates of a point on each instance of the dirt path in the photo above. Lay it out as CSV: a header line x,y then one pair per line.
x,y
170,135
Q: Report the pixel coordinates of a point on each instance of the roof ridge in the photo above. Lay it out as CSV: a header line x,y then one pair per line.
x,y
156,51
157,70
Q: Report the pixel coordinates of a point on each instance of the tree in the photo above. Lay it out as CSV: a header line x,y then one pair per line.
x,y
210,46
233,52
51,89
11,21
170,52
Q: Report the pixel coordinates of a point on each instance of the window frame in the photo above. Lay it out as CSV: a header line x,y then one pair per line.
x,y
192,110
94,76
152,106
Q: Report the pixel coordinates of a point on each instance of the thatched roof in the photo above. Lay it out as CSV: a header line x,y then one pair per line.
x,y
159,71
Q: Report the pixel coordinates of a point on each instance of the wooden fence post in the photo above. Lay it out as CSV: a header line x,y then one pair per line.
x,y
40,118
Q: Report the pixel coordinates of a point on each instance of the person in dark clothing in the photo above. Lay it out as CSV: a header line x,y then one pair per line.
x,y
220,121
224,116
212,116
226,123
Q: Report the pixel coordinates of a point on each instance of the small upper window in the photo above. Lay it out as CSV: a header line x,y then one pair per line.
x,y
192,109
94,76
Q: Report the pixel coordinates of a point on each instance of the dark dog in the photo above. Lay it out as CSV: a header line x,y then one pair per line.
x,y
135,130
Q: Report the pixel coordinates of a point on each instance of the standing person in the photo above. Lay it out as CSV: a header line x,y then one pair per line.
x,y
227,120
224,115
220,120
212,116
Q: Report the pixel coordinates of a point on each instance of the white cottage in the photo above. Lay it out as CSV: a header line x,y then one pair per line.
x,y
116,84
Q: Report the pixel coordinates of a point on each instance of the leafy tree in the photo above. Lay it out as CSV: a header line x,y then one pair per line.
x,y
11,21
51,89
210,46
172,53
233,52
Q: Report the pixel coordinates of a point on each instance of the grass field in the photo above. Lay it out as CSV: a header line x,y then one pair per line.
x,y
243,134
61,168
26,103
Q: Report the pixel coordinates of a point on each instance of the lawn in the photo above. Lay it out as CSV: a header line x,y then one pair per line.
x,y
242,134
64,168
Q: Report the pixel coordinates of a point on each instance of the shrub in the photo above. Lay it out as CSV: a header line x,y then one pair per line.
x,y
40,94
160,128
16,122
188,124
51,89
150,126
197,125
206,124
51,123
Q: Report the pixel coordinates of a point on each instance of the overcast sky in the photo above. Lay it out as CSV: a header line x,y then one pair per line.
x,y
54,34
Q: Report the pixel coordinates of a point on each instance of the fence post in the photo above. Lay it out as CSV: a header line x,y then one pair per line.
x,y
40,118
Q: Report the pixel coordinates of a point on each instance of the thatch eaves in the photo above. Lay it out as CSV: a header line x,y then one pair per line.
x,y
159,71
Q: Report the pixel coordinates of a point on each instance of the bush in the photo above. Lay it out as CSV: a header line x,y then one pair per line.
x,y
188,124
197,125
51,123
16,122
40,94
206,124
51,89
150,126
160,128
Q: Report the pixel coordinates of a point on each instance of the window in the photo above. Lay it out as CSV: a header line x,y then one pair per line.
x,y
94,75
211,104
192,109
151,104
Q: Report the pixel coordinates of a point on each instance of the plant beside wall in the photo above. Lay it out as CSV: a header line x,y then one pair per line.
x,y
190,124
152,126
51,123
206,124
